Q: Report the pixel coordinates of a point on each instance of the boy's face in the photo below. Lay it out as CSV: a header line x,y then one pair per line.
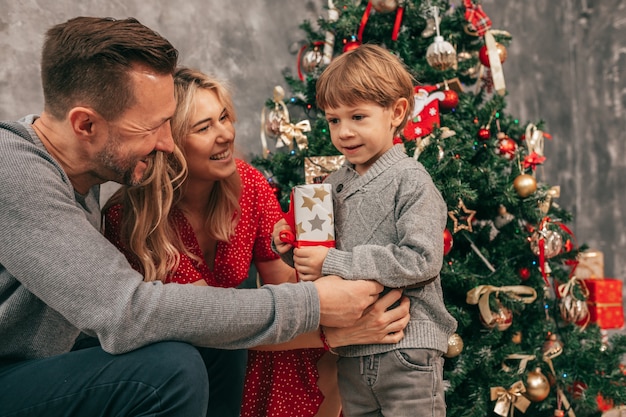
x,y
365,131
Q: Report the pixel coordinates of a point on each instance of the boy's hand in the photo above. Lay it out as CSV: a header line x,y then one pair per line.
x,y
281,226
308,261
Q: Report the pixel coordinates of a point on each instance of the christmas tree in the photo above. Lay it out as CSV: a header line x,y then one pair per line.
x,y
528,340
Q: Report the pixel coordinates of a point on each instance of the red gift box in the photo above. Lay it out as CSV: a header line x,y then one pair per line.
x,y
606,308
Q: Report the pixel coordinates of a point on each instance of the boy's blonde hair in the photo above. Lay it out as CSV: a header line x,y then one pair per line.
x,y
369,73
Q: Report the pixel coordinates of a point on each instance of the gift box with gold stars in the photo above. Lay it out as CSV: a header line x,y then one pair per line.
x,y
313,214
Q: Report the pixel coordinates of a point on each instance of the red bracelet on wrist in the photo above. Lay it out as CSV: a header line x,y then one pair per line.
x,y
324,340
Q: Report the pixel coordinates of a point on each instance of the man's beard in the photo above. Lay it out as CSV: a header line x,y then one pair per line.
x,y
123,166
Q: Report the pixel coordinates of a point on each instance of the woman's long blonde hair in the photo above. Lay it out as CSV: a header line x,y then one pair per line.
x,y
145,228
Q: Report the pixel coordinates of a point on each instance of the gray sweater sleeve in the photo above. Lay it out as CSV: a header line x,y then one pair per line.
x,y
59,275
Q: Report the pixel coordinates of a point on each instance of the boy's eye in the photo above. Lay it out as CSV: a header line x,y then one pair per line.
x,y
357,117
333,121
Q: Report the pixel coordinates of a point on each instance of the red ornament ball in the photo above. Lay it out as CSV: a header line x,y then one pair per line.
x,y
483,55
351,44
483,133
447,241
524,273
506,147
450,100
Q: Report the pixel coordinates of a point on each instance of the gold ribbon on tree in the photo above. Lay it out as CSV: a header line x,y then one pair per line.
x,y
290,133
534,139
548,355
480,295
524,359
508,400
495,64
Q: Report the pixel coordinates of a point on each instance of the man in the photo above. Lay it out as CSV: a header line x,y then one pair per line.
x,y
108,92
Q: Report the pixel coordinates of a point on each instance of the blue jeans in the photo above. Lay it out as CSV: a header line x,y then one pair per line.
x,y
163,379
400,383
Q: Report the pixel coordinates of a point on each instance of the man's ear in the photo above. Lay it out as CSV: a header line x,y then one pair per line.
x,y
398,111
85,122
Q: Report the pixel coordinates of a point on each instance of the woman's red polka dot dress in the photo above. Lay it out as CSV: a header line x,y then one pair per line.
x,y
278,384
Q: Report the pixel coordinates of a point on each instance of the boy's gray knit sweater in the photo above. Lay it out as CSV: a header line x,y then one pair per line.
x,y
59,276
389,228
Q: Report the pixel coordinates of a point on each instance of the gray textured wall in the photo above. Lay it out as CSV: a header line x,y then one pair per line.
x,y
566,65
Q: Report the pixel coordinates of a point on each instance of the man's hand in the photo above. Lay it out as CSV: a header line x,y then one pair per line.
x,y
343,302
308,261
378,325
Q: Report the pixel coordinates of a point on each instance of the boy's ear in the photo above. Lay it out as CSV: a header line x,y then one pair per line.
x,y
398,110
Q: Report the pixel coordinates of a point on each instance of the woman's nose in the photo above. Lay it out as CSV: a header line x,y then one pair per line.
x,y
226,132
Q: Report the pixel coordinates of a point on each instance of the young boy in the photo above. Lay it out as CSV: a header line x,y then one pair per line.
x,y
389,221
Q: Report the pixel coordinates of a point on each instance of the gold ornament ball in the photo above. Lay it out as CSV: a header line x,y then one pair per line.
x,y
572,309
385,6
312,58
273,121
441,55
455,346
552,243
537,386
517,338
552,347
503,218
525,185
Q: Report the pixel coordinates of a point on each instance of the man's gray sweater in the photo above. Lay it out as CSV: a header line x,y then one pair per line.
x,y
389,227
59,276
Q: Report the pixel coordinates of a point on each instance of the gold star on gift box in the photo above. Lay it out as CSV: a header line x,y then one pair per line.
x,y
308,202
466,216
320,193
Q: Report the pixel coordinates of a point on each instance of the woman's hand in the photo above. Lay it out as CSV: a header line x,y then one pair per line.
x,y
281,227
378,325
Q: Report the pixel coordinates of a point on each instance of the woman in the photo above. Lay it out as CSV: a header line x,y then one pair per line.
x,y
221,220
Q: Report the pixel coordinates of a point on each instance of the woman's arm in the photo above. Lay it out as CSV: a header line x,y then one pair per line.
x,y
377,325
275,272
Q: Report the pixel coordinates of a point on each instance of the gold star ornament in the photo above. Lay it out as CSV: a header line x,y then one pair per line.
x,y
462,214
